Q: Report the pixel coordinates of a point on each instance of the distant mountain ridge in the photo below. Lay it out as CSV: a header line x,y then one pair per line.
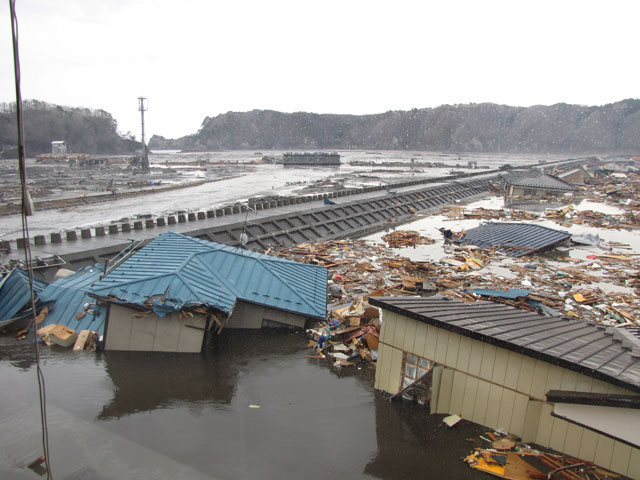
x,y
83,130
485,127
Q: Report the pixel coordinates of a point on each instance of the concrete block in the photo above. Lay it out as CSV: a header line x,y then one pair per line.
x,y
40,240
85,233
20,242
100,232
236,209
202,215
72,235
219,212
5,245
182,218
125,227
211,214
113,229
171,220
191,217
56,237
161,222
227,211
137,225
150,223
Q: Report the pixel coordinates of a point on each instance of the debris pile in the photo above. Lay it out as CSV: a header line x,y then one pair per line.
x,y
406,238
591,218
507,457
63,336
481,213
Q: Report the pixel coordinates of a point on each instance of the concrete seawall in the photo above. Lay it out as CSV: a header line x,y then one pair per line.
x,y
269,223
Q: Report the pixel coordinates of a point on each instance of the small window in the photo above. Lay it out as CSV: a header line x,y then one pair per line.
x,y
416,378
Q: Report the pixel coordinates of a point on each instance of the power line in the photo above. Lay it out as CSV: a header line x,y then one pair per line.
x,y
27,210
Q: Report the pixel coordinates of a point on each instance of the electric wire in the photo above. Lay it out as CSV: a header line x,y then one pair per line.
x,y
25,211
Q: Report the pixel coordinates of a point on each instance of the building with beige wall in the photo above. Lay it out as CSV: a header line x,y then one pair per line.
x,y
175,293
558,382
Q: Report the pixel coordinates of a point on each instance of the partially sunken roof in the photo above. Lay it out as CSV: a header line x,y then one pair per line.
x,y
536,179
69,294
176,271
15,292
588,348
514,239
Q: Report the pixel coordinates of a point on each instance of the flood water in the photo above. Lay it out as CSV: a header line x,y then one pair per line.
x,y
254,407
247,180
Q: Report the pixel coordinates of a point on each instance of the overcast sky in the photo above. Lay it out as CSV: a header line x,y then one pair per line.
x,y
197,58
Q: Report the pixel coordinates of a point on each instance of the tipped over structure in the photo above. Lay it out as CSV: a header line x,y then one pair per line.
x,y
177,291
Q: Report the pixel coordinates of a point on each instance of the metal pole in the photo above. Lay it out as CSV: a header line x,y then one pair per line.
x,y
145,155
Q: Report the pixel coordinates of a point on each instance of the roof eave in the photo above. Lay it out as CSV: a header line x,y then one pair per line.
x,y
379,302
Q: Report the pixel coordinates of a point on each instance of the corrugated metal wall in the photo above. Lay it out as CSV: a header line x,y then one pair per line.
x,y
498,388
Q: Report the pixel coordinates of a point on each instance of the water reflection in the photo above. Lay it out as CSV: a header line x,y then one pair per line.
x,y
190,416
145,381
414,444
148,381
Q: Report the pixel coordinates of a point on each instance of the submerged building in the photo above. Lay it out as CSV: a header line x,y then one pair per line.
x,y
519,185
178,291
559,382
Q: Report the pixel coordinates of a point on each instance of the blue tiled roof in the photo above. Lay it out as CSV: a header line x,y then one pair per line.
x,y
514,239
70,296
15,292
176,271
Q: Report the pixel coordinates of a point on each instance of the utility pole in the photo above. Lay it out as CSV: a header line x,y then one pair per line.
x,y
142,107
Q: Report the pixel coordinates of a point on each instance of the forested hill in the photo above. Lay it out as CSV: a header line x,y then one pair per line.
x,y
561,128
83,130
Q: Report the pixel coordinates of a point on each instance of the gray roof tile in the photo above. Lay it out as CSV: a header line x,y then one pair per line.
x,y
578,345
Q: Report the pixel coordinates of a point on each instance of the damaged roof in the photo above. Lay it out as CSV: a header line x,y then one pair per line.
x,y
70,297
514,239
175,271
15,292
606,353
535,179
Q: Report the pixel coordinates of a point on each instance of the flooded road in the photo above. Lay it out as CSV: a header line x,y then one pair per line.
x,y
255,407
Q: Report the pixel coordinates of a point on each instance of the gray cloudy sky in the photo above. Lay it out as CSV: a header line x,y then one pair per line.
x,y
197,58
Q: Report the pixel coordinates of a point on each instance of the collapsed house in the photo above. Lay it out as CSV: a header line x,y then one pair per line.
x,y
72,309
562,383
178,291
15,299
578,176
520,185
514,239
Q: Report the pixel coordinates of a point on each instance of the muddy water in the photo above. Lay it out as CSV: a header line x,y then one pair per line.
x,y
254,407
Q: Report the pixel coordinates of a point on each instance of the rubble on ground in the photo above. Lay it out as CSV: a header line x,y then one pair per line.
x,y
602,287
504,455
